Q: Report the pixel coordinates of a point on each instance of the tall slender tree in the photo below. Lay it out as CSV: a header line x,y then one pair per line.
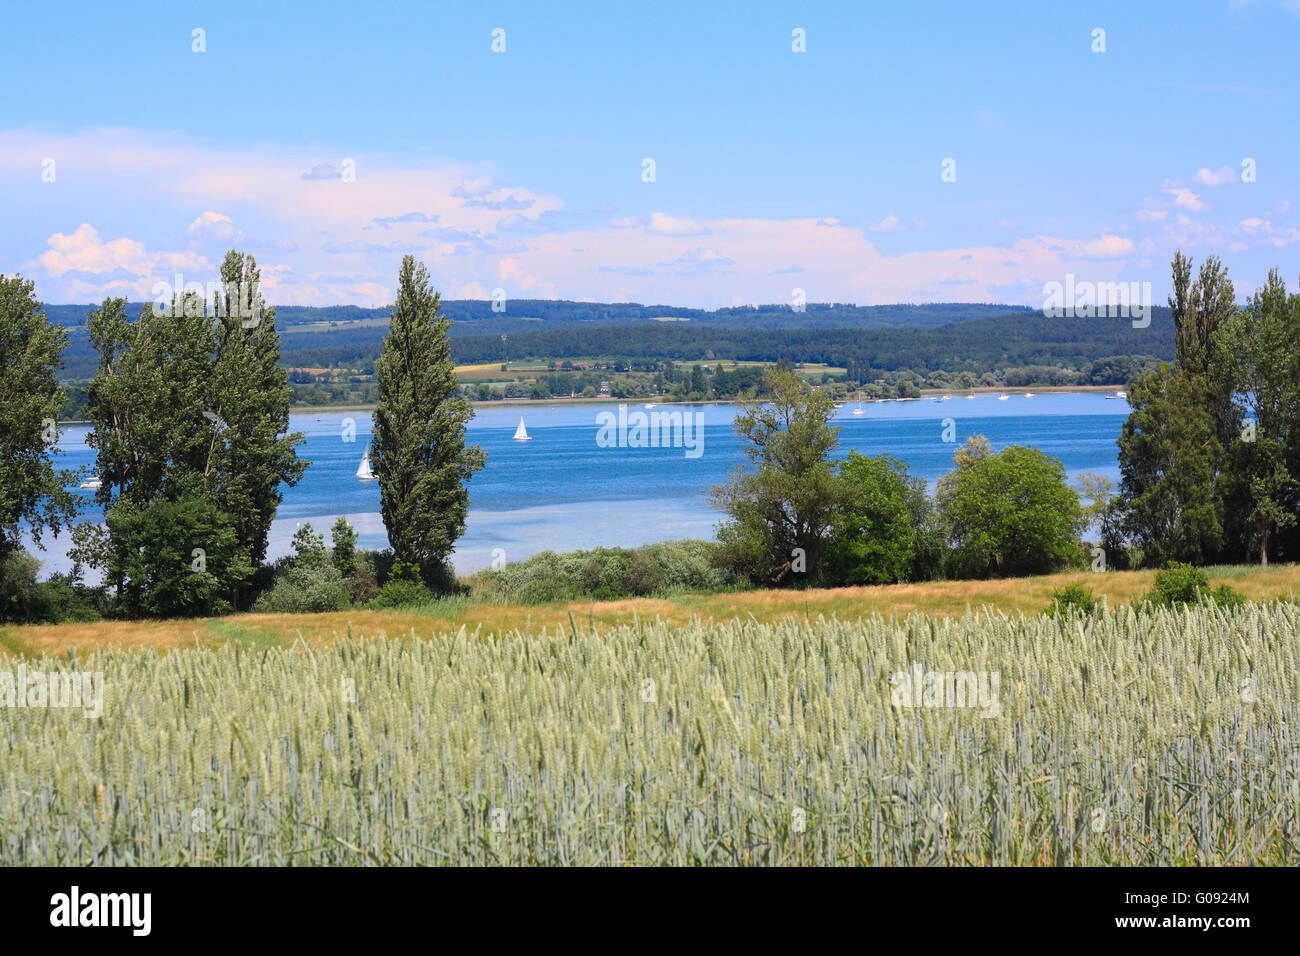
x,y
419,455
252,453
1178,489
1263,344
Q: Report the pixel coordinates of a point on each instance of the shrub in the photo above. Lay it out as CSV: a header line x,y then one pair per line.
x,y
1073,596
662,568
25,600
399,592
305,587
363,583
1178,583
1225,595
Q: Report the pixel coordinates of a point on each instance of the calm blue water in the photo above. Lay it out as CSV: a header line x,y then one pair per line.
x,y
562,491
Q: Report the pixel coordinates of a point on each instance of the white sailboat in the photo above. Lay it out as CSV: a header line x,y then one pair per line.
x,y
363,469
858,410
521,433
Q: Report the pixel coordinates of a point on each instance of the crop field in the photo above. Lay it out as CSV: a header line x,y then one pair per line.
x,y
1161,738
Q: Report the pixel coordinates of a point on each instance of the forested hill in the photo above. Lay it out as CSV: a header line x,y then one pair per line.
x,y
475,316
1016,339
990,340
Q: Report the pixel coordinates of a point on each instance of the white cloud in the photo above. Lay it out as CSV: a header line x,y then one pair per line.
x,y
1183,197
1219,177
214,225
123,265
1107,247
889,224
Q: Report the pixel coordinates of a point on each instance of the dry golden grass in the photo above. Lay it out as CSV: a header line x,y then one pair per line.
x,y
937,598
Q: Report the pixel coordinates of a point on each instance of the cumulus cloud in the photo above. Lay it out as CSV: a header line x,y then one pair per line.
x,y
123,265
1218,177
889,224
1183,197
213,225
1107,247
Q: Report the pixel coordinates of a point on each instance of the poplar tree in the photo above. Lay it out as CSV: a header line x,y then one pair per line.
x,y
418,454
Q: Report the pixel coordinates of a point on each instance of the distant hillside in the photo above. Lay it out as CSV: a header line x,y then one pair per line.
x,y
475,316
349,334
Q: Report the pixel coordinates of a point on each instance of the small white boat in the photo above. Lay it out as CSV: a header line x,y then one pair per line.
x,y
970,396
363,469
650,405
1003,398
521,433
858,410
1121,394
94,483
1029,394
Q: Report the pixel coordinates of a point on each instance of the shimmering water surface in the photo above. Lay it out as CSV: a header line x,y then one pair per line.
x,y
562,491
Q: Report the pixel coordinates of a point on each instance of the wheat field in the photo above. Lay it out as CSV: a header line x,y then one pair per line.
x,y
1161,738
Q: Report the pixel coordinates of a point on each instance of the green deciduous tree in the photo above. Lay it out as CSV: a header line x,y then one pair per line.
x,y
32,491
1170,463
1008,513
882,525
781,512
419,454
1191,490
190,421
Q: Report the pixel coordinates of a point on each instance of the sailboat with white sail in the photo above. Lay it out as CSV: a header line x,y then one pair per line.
x,y
858,410
363,469
521,433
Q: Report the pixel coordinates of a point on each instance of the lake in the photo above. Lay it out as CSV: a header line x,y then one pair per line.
x,y
565,490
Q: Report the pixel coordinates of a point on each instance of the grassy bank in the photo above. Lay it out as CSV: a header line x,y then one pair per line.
x,y
936,598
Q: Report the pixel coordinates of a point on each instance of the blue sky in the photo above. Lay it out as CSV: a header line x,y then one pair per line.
x,y
522,170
